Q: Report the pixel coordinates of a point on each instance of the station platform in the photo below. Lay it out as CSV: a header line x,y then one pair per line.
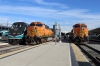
x,y
3,43
49,54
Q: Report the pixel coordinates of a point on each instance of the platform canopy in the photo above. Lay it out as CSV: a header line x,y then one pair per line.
x,y
96,31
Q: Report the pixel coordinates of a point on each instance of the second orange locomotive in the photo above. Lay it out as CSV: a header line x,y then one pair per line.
x,y
38,32
80,33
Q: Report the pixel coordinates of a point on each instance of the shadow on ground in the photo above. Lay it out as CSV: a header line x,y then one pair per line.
x,y
93,42
4,41
66,40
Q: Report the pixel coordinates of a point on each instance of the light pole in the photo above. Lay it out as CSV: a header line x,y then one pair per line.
x,y
55,32
59,33
7,23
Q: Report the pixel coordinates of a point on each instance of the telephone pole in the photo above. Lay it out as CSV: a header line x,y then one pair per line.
x,y
7,23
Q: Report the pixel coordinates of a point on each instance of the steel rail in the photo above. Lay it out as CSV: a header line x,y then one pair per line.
x,y
94,58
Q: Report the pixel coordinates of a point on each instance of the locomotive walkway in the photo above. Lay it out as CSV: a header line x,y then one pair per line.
x,y
48,54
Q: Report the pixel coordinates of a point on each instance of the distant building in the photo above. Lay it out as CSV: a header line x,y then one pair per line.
x,y
56,29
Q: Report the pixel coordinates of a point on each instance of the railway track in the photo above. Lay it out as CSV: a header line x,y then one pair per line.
x,y
8,50
92,54
95,40
2,46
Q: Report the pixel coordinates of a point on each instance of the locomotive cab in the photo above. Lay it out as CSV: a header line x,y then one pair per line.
x,y
80,33
17,32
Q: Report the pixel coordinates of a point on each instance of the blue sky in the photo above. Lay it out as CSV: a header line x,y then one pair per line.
x,y
64,12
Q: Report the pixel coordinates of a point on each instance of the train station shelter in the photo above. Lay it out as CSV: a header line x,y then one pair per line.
x,y
95,31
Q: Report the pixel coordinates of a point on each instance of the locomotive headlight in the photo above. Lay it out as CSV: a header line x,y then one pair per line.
x,y
18,33
10,33
14,33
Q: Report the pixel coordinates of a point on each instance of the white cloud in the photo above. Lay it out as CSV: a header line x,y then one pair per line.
x,y
79,13
42,2
49,13
3,21
66,28
67,17
51,4
92,23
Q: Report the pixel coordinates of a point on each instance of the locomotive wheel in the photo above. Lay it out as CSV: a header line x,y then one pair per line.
x,y
15,43
27,42
40,42
46,39
10,42
43,40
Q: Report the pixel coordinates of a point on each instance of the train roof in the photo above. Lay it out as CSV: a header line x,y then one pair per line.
x,y
20,22
4,26
80,24
37,22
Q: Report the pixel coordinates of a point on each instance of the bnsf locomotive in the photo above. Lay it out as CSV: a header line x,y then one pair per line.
x,y
38,32
79,33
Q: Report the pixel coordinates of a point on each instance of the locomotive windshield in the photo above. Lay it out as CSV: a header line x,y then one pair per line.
x,y
76,26
16,26
84,26
40,25
32,24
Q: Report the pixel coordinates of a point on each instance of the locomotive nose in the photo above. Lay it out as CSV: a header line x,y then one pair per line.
x,y
34,27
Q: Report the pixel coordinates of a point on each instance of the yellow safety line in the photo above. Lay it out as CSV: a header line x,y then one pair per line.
x,y
78,54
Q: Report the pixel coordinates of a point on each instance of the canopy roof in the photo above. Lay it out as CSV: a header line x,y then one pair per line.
x,y
97,31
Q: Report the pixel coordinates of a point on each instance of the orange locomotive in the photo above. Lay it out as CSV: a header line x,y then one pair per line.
x,y
38,32
80,33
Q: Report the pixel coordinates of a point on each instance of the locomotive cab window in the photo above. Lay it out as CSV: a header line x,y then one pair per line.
x,y
40,25
1,34
6,28
16,26
84,26
32,24
76,26
3,28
